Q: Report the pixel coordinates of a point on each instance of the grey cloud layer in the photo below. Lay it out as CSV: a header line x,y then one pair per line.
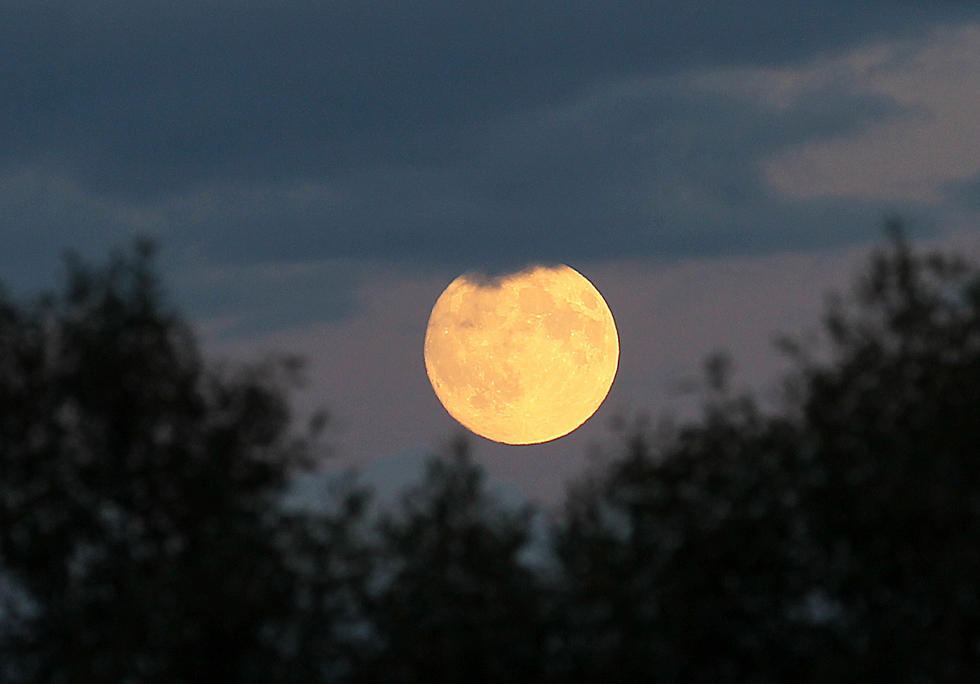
x,y
651,167
453,133
136,100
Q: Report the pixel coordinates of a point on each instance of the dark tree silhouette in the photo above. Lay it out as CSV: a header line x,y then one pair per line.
x,y
139,492
329,636
456,603
894,422
833,540
688,562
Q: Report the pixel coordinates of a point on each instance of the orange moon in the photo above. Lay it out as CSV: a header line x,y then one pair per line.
x,y
525,358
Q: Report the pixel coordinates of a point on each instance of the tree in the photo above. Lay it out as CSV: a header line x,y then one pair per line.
x,y
456,603
895,424
329,636
834,539
831,539
139,491
686,560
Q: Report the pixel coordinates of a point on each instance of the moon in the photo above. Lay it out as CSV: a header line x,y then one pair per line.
x,y
524,358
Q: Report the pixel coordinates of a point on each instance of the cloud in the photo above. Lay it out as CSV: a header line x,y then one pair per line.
x,y
966,193
650,165
238,300
934,143
666,166
436,133
645,166
135,99
42,214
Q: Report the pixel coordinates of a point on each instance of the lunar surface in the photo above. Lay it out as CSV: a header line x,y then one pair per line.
x,y
524,358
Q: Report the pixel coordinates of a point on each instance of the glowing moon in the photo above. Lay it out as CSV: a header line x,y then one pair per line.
x,y
522,359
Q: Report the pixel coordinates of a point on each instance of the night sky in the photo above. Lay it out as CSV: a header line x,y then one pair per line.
x,y
315,173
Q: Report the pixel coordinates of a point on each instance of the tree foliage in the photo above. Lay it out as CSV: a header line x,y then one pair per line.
x,y
137,490
457,604
834,539
831,539
894,424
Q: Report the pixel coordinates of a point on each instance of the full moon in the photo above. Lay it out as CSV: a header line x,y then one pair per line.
x,y
522,359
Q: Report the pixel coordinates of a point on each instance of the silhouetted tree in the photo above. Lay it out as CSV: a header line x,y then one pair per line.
x,y
688,561
143,536
456,603
832,540
893,420
139,493
329,636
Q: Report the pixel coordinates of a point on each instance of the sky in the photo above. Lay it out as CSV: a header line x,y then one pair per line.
x,y
315,173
